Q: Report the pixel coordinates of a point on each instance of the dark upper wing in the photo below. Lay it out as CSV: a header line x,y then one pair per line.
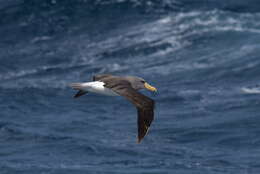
x,y
144,105
100,77
144,120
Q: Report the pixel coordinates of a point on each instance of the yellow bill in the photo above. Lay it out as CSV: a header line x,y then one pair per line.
x,y
149,87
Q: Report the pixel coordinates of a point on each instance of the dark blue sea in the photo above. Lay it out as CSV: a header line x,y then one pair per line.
x,y
202,55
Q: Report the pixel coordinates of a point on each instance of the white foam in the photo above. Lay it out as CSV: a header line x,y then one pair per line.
x,y
251,90
47,166
165,20
40,38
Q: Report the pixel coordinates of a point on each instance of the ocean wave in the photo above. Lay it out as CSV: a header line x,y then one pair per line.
x,y
255,90
41,79
62,12
171,5
175,28
162,37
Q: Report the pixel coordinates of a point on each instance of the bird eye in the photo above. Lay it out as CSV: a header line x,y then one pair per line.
x,y
143,81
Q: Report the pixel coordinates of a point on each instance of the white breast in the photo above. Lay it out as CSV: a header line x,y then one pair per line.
x,y
98,87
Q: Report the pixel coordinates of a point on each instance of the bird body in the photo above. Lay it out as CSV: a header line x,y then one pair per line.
x,y
95,87
127,87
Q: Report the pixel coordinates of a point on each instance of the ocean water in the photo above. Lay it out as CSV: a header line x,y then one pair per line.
x,y
202,55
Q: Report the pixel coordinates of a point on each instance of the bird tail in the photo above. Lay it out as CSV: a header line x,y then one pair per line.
x,y
76,86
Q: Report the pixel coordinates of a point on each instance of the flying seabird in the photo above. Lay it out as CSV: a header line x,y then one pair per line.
x,y
127,87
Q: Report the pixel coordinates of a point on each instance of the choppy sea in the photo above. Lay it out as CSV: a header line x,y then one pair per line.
x,y
202,55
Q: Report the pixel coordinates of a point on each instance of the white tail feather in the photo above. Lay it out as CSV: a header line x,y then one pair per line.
x,y
77,86
95,87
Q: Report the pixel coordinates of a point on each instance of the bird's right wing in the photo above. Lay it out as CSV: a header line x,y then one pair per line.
x,y
144,105
100,77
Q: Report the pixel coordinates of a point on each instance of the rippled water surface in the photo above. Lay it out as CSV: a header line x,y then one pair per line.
x,y
203,56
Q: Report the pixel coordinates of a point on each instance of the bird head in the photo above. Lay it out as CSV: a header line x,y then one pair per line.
x,y
139,83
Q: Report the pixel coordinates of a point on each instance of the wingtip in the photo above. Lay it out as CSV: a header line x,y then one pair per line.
x,y
139,139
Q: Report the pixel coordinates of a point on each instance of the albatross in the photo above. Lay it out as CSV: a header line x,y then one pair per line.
x,y
127,86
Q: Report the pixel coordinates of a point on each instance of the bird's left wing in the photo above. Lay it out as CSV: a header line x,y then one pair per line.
x,y
144,105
